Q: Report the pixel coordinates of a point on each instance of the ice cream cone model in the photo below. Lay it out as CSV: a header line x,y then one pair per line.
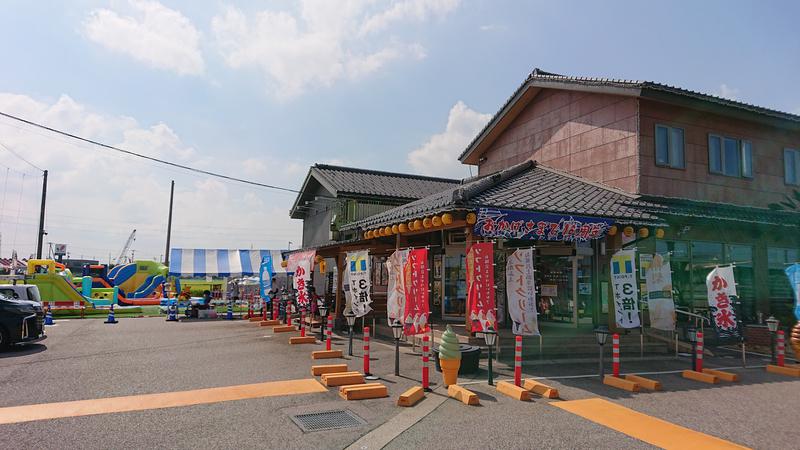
x,y
449,356
795,340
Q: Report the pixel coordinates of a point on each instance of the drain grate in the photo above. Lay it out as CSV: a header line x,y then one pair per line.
x,y
327,420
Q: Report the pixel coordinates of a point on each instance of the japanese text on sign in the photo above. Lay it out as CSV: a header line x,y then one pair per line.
x,y
511,224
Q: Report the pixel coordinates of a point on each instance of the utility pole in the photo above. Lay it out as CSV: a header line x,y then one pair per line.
x,y
41,217
169,223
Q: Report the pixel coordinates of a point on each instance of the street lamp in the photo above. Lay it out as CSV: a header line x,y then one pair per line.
x,y
772,324
490,336
397,332
601,333
323,314
351,321
691,335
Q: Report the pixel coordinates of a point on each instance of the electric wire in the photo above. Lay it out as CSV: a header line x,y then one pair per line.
x,y
150,158
20,157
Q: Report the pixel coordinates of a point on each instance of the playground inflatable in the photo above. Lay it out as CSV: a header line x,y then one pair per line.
x,y
54,285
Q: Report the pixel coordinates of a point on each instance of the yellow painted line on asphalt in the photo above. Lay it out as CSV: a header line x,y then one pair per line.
x,y
27,413
643,427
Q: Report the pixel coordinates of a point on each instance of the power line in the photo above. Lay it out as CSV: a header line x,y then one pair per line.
x,y
20,157
150,158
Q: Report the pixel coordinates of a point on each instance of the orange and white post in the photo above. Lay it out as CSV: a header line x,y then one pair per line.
x,y
329,333
302,323
699,353
366,352
425,363
518,361
615,354
781,348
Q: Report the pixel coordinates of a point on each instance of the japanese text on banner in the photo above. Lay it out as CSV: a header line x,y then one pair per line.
x,y
521,291
623,283
415,277
721,295
659,294
301,263
395,294
358,268
265,277
480,290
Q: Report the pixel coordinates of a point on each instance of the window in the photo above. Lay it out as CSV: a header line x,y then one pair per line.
x,y
730,157
669,147
791,166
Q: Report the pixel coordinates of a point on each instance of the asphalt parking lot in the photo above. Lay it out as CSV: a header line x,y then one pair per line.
x,y
86,359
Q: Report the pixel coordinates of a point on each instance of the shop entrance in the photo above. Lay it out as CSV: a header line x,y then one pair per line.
x,y
564,285
454,283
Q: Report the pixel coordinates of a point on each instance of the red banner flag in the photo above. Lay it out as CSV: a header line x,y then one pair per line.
x,y
415,316
480,286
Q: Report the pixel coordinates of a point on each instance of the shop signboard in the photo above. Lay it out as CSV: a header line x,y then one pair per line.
x,y
395,294
793,272
358,272
301,263
265,277
521,291
659,293
480,290
623,284
512,224
415,279
721,287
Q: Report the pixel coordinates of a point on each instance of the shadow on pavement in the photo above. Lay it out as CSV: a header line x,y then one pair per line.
x,y
22,350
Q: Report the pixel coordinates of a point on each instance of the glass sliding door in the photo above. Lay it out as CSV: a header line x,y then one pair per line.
x,y
455,283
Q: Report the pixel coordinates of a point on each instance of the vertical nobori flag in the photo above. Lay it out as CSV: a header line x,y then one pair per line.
x,y
480,286
415,279
358,271
626,295
395,294
265,277
721,295
521,292
793,272
301,263
659,294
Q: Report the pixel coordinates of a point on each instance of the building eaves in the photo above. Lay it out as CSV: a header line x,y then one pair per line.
x,y
681,207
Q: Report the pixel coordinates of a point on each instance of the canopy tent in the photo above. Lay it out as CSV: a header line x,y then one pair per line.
x,y
199,262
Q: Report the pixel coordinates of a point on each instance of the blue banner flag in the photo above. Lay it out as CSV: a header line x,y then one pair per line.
x,y
793,272
265,277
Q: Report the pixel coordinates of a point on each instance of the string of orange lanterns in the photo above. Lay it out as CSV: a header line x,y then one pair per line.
x,y
419,224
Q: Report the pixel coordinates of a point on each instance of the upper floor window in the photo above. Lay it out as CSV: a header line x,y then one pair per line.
x,y
669,147
791,166
729,156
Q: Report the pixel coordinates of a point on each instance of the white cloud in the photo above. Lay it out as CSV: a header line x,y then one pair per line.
x,y
725,91
324,42
96,197
439,155
492,27
153,34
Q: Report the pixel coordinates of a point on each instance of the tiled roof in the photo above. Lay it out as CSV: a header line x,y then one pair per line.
x,y
350,180
540,78
667,206
526,186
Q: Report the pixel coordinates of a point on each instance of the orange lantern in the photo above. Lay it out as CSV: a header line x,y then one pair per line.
x,y
284,263
437,221
387,231
427,223
612,231
628,231
394,229
472,218
447,218
644,232
367,234
417,225
660,233
402,228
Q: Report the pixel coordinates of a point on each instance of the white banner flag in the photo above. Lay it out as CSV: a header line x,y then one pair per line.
x,y
659,294
521,292
626,294
395,294
358,273
721,287
302,264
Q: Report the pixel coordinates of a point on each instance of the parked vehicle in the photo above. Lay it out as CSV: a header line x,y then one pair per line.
x,y
21,315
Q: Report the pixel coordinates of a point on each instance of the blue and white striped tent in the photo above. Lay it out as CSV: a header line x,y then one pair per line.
x,y
200,262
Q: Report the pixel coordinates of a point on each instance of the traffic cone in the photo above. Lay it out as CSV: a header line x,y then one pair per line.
x,y
229,315
111,318
48,317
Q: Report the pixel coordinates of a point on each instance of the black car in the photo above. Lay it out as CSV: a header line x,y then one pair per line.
x,y
21,321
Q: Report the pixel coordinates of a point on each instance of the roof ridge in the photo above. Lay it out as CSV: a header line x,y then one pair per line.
x,y
587,181
383,172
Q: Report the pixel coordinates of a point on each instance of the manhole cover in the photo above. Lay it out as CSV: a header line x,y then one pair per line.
x,y
327,420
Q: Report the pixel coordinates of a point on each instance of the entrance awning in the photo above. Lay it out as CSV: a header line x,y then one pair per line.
x,y
200,262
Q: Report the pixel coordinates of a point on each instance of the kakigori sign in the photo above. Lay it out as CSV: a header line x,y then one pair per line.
x,y
511,224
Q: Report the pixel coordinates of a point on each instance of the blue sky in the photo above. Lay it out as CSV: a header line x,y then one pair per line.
x,y
263,89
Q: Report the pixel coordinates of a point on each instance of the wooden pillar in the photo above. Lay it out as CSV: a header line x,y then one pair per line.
x,y
339,308
469,239
575,283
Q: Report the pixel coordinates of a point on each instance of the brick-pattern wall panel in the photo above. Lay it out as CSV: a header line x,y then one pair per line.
x,y
590,135
695,182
